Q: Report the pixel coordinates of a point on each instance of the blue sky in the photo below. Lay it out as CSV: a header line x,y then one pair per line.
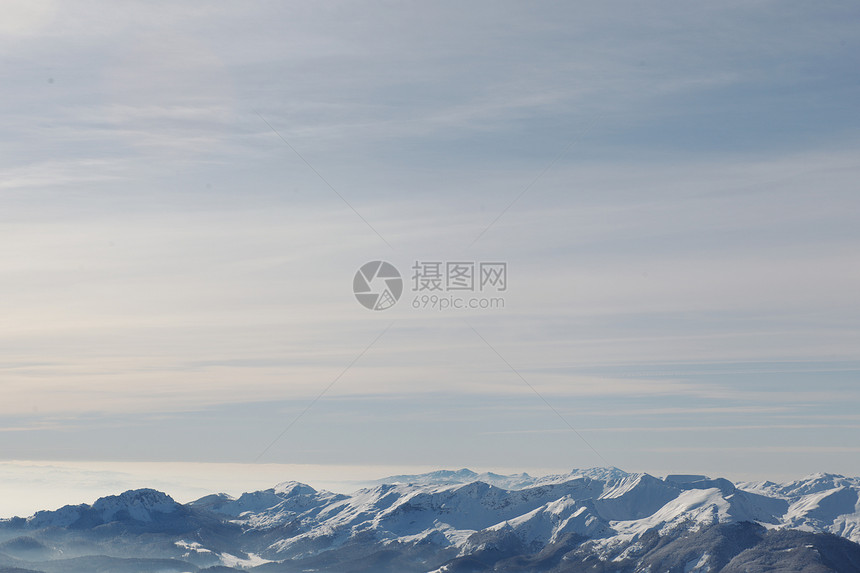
x,y
678,200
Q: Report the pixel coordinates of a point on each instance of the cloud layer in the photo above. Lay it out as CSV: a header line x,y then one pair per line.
x,y
684,254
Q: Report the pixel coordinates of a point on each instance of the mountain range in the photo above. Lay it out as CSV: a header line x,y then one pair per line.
x,y
594,520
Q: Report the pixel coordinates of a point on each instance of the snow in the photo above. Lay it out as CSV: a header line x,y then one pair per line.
x,y
696,565
191,546
253,560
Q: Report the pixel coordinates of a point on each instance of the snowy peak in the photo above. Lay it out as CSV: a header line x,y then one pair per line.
x,y
255,502
816,483
141,505
602,474
293,488
137,505
269,508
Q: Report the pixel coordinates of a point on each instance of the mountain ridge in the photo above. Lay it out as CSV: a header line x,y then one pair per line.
x,y
453,520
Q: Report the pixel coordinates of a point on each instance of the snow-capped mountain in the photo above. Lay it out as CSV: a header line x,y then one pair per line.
x,y
602,519
144,505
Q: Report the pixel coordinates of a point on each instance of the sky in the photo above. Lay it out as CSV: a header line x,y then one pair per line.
x,y
187,192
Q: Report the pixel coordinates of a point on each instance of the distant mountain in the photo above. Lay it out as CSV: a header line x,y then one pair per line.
x,y
600,519
515,481
142,506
